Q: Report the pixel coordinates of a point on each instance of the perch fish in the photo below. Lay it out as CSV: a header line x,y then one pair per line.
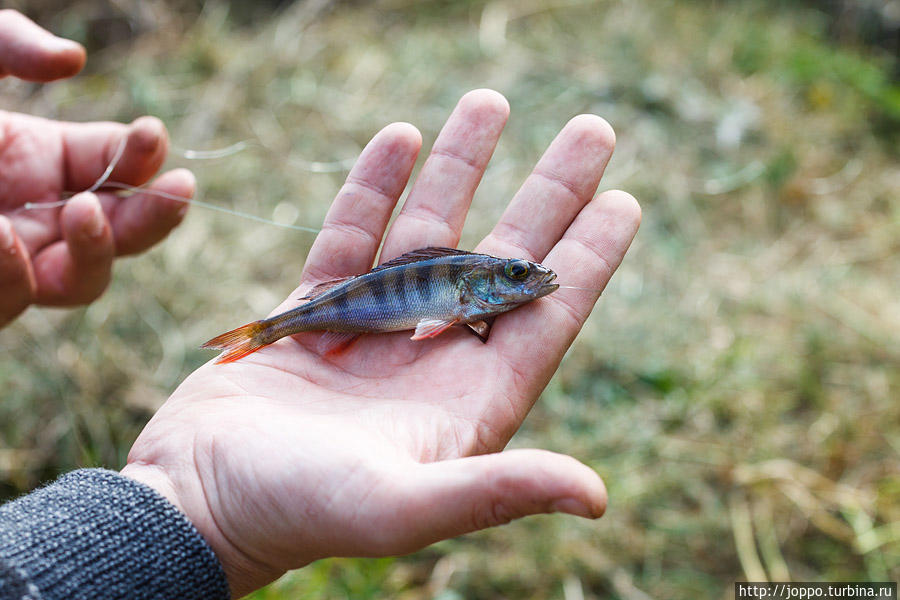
x,y
428,290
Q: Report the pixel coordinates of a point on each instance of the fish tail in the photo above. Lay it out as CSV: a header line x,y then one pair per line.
x,y
240,342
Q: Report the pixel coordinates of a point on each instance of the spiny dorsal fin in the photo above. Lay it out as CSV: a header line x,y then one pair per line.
x,y
419,255
404,259
323,287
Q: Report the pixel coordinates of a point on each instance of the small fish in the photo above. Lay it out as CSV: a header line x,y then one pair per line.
x,y
428,290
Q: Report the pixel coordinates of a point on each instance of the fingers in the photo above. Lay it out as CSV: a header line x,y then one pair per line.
x,y
91,147
142,220
31,53
554,206
586,256
77,269
435,211
16,277
563,181
449,498
355,224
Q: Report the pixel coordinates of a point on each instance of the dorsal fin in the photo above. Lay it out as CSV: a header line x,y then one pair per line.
x,y
404,259
323,287
419,255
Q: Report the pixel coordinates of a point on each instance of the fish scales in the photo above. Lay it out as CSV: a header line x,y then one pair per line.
x,y
427,290
418,284
423,287
380,301
409,297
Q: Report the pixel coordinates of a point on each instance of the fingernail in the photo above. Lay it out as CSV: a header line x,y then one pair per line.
x,y
7,239
575,507
97,225
145,135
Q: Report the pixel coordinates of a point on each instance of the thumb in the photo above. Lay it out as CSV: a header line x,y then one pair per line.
x,y
31,53
458,496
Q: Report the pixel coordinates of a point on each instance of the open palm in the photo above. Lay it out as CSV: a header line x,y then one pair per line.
x,y
287,456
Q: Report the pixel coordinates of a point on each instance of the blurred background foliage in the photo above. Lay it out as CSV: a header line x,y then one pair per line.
x,y
738,383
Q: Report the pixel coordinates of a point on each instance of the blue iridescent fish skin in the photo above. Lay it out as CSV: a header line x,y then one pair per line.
x,y
427,290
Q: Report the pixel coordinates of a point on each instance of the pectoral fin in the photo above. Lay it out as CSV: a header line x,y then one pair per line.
x,y
429,328
480,328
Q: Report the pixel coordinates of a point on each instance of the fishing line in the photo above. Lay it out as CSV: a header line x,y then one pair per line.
x,y
202,204
189,154
315,166
109,168
211,154
575,287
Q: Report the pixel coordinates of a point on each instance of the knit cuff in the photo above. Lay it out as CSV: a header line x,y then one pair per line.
x,y
96,534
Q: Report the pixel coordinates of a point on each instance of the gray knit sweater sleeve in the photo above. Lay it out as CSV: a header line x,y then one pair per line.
x,y
95,534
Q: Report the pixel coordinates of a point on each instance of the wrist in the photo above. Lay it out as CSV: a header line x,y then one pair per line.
x,y
94,533
243,573
155,478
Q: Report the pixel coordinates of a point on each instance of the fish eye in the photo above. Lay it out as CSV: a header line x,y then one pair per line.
x,y
517,269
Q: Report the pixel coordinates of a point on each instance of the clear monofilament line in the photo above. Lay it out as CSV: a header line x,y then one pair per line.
x,y
201,203
194,201
109,168
102,181
212,154
575,287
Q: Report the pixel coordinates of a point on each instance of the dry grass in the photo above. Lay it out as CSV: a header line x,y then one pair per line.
x,y
737,385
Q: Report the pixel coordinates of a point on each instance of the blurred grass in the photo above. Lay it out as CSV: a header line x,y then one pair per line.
x,y
737,384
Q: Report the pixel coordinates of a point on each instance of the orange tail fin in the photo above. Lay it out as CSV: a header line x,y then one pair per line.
x,y
239,342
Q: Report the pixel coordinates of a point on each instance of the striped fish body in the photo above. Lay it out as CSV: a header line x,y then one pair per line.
x,y
391,299
427,290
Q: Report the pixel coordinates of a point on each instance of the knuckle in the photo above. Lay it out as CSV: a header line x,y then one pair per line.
x,y
492,513
370,186
457,157
567,187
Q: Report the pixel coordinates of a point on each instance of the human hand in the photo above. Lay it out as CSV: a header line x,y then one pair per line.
x,y
287,456
62,256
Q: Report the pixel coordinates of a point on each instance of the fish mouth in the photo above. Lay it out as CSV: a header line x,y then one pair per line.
x,y
546,286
